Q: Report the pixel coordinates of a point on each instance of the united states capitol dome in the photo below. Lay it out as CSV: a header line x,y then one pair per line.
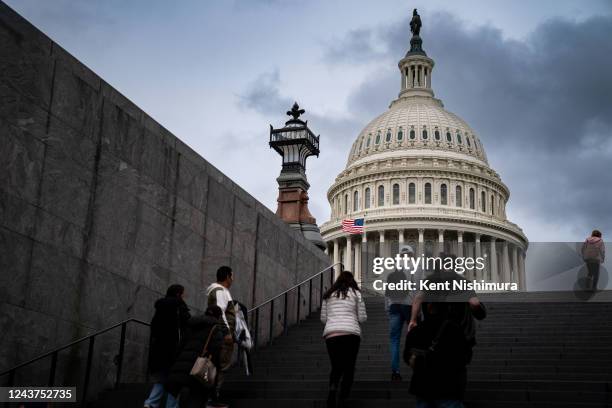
x,y
418,174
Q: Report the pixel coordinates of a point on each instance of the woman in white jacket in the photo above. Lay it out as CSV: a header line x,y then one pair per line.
x,y
342,311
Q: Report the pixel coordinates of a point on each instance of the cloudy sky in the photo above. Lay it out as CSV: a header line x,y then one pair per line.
x,y
532,78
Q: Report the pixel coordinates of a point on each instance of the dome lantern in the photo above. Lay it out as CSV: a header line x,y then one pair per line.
x,y
415,68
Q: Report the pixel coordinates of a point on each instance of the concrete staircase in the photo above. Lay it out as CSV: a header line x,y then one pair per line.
x,y
553,354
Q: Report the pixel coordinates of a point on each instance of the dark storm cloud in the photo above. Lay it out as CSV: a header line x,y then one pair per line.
x,y
357,46
264,96
542,106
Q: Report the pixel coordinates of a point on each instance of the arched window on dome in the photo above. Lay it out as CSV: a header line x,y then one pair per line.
x,y
366,200
400,135
412,134
437,134
458,197
360,146
459,138
467,141
492,204
378,137
355,201
472,199
443,194
346,207
381,196
483,200
411,193
427,193
396,194
449,138
424,134
369,140
388,136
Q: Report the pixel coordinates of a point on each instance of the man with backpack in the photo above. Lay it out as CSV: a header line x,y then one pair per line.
x,y
219,295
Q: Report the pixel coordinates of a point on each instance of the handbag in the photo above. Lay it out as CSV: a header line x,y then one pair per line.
x,y
420,358
204,370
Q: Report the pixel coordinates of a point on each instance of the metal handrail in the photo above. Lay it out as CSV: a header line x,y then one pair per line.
x,y
285,295
91,340
294,287
49,353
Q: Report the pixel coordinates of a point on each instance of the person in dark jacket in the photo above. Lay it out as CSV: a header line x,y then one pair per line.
x,y
439,376
198,330
445,337
167,326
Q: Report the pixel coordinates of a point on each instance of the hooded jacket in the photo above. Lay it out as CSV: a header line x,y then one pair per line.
x,y
593,250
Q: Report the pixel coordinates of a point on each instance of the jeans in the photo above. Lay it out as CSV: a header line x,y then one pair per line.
x,y
439,404
156,396
593,269
398,316
342,352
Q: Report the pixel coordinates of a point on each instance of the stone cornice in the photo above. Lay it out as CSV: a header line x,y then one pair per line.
x,y
465,175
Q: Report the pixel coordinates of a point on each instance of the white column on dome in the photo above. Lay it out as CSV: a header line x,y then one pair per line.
x,y
440,242
348,262
505,263
336,256
400,239
514,274
363,262
421,248
477,254
493,261
357,268
460,243
521,271
383,246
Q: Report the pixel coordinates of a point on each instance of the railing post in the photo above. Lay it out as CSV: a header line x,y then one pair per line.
x,y
310,297
321,293
271,321
120,356
87,371
52,369
285,313
256,327
297,321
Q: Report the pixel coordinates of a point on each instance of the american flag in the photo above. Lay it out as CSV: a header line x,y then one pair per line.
x,y
353,226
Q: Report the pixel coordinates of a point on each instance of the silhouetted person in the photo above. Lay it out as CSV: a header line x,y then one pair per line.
x,y
198,331
218,294
167,328
594,254
342,311
440,347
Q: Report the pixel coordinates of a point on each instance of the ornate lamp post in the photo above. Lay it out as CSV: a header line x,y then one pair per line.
x,y
295,143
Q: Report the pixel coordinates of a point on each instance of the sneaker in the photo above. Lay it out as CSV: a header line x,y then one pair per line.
x,y
396,376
